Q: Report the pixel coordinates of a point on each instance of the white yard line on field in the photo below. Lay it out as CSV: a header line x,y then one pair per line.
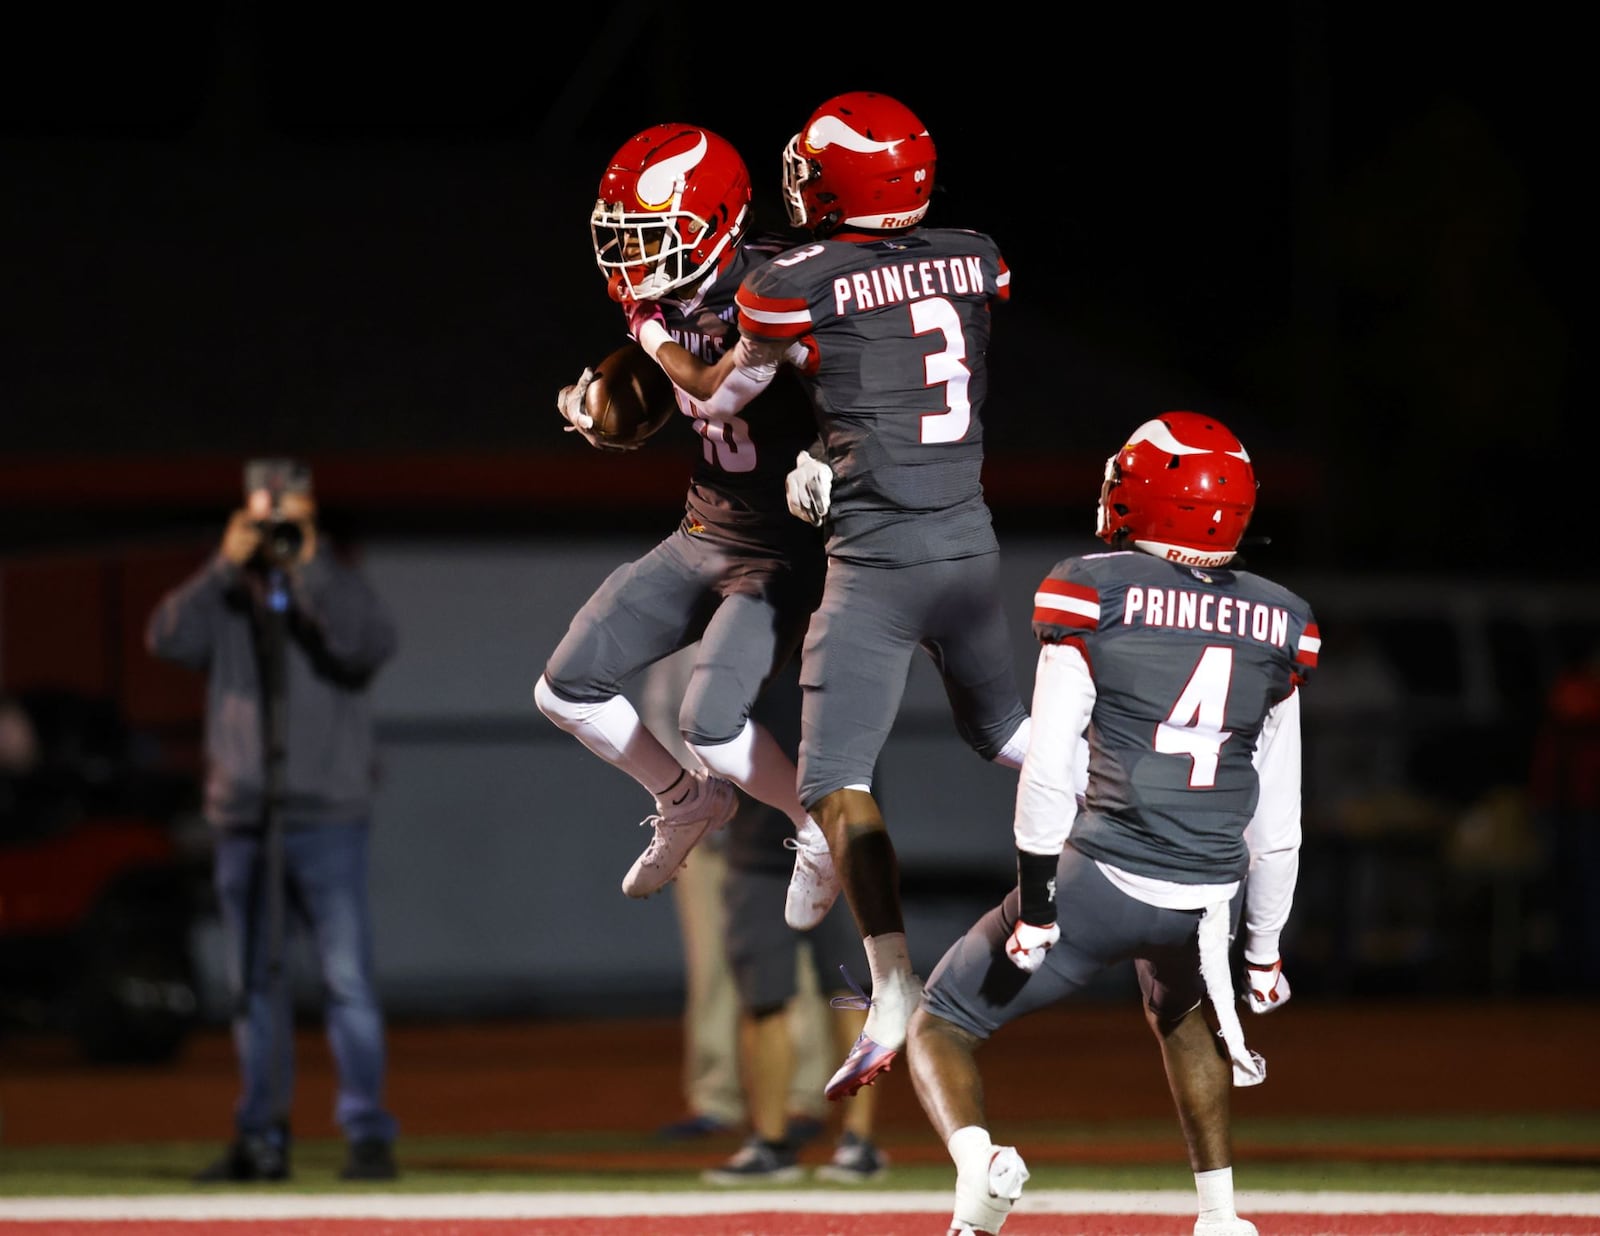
x,y
252,1205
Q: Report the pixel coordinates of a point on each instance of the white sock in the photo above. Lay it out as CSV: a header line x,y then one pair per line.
x,y
755,763
970,1148
1216,1193
895,989
888,960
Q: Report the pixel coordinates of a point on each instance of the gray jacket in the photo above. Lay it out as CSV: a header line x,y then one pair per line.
x,y
341,634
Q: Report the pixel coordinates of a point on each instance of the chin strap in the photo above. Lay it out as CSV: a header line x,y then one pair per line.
x,y
1249,1068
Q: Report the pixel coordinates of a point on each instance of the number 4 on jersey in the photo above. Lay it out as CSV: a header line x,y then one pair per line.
x,y
1194,726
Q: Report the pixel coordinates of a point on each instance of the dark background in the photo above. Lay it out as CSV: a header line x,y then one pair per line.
x,y
1349,230
360,235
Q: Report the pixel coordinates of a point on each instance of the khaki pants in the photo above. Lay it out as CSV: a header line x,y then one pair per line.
x,y
711,1011
711,1083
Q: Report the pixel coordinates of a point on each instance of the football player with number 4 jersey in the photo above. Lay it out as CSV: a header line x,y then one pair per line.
x,y
888,323
1184,671
738,574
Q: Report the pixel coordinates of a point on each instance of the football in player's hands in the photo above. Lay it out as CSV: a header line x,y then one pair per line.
x,y
629,399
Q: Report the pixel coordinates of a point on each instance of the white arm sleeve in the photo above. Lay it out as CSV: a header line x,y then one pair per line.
x,y
1047,789
755,364
1273,834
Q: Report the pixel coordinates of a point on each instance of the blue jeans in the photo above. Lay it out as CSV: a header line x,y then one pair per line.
x,y
325,877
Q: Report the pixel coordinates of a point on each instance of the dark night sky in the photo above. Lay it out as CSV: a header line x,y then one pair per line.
x,y
330,228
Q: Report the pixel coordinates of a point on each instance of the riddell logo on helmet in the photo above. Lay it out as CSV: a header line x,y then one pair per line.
x,y
894,221
1188,558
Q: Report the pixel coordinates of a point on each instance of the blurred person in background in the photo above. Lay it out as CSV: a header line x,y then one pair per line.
x,y
738,574
19,761
764,954
19,740
714,1089
289,639
53,768
1185,670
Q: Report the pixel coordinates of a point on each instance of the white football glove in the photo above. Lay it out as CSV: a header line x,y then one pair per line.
x,y
1269,990
1028,944
809,488
570,404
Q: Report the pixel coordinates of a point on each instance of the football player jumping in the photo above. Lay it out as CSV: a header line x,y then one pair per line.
x,y
893,321
738,574
1186,670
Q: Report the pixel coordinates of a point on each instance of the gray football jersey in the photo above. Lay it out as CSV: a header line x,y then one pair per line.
x,y
736,492
1187,662
898,335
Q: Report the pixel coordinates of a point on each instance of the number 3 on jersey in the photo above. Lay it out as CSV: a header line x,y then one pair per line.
x,y
1194,726
946,367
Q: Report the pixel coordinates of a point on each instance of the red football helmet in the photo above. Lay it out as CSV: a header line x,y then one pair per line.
x,y
673,202
1182,488
862,160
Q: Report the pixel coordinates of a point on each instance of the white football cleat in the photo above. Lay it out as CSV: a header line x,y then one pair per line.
x,y
982,1203
710,803
814,884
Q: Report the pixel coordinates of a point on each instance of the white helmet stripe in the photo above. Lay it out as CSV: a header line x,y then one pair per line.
x,y
831,131
1157,432
659,181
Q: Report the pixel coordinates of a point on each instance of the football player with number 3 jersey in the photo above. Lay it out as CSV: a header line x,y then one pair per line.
x,y
738,574
1184,671
888,323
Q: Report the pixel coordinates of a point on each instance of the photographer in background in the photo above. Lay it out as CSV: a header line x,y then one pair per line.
x,y
289,639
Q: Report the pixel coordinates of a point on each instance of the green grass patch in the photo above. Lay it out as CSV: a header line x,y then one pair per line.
x,y
1500,1154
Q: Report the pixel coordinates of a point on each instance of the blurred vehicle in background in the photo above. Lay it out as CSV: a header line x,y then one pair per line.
x,y
1423,870
98,892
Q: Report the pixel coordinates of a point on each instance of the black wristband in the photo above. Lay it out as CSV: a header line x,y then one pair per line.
x,y
1036,881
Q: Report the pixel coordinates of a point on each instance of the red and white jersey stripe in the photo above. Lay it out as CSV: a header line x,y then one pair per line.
x,y
773,317
1061,603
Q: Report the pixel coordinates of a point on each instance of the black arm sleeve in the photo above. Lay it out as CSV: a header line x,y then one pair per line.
x,y
1036,881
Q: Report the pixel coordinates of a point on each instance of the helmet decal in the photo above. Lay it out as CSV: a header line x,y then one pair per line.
x,y
828,131
660,181
1158,433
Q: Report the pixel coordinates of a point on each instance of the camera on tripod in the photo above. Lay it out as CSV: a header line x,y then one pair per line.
x,y
267,483
281,540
